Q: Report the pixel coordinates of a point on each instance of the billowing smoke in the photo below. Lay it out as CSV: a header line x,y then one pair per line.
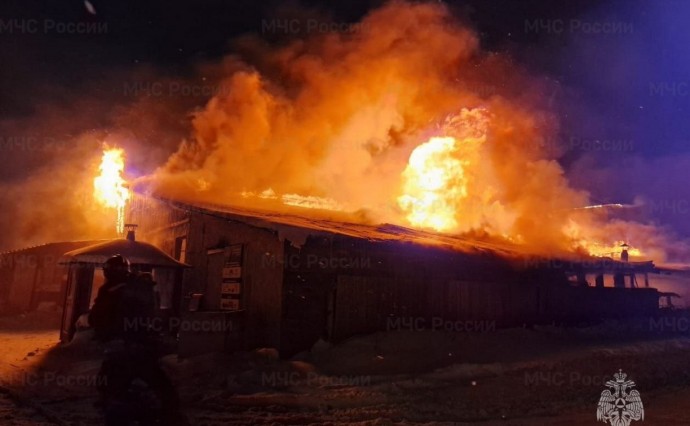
x,y
51,155
332,120
337,116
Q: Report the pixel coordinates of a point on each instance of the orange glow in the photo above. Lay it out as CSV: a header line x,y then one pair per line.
x,y
445,185
296,200
310,202
347,127
596,245
109,186
433,181
611,249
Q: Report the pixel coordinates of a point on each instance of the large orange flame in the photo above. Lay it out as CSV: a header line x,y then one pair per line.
x,y
346,127
109,186
433,182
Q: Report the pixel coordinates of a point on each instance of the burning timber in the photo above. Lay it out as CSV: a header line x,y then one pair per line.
x,y
236,279
275,280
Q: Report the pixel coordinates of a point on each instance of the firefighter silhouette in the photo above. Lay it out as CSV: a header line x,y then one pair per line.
x,y
132,386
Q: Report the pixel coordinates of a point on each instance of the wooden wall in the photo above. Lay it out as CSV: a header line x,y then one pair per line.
x,y
261,297
32,276
334,286
397,285
207,236
337,286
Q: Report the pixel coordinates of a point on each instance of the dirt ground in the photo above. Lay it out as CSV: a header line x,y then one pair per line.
x,y
545,376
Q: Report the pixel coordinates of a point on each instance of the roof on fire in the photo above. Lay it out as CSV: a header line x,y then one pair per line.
x,y
296,228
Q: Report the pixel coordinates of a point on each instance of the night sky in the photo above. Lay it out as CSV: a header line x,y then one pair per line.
x,y
623,98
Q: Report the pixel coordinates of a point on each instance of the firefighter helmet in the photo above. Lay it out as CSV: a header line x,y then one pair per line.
x,y
116,263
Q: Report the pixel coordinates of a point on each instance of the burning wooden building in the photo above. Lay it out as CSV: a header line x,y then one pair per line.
x,y
276,280
262,278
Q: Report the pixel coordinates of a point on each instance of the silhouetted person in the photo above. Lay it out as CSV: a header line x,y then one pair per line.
x,y
107,316
132,385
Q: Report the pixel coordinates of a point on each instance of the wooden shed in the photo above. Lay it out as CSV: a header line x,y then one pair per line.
x,y
263,279
83,281
30,277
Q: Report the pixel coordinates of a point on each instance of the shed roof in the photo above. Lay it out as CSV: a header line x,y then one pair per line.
x,y
137,252
297,227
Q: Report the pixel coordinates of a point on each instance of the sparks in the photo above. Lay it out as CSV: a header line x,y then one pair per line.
x,y
109,186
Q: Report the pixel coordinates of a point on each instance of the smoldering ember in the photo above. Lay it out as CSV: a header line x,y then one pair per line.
x,y
376,213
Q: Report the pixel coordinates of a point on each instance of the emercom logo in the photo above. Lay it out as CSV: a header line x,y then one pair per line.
x,y
618,405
